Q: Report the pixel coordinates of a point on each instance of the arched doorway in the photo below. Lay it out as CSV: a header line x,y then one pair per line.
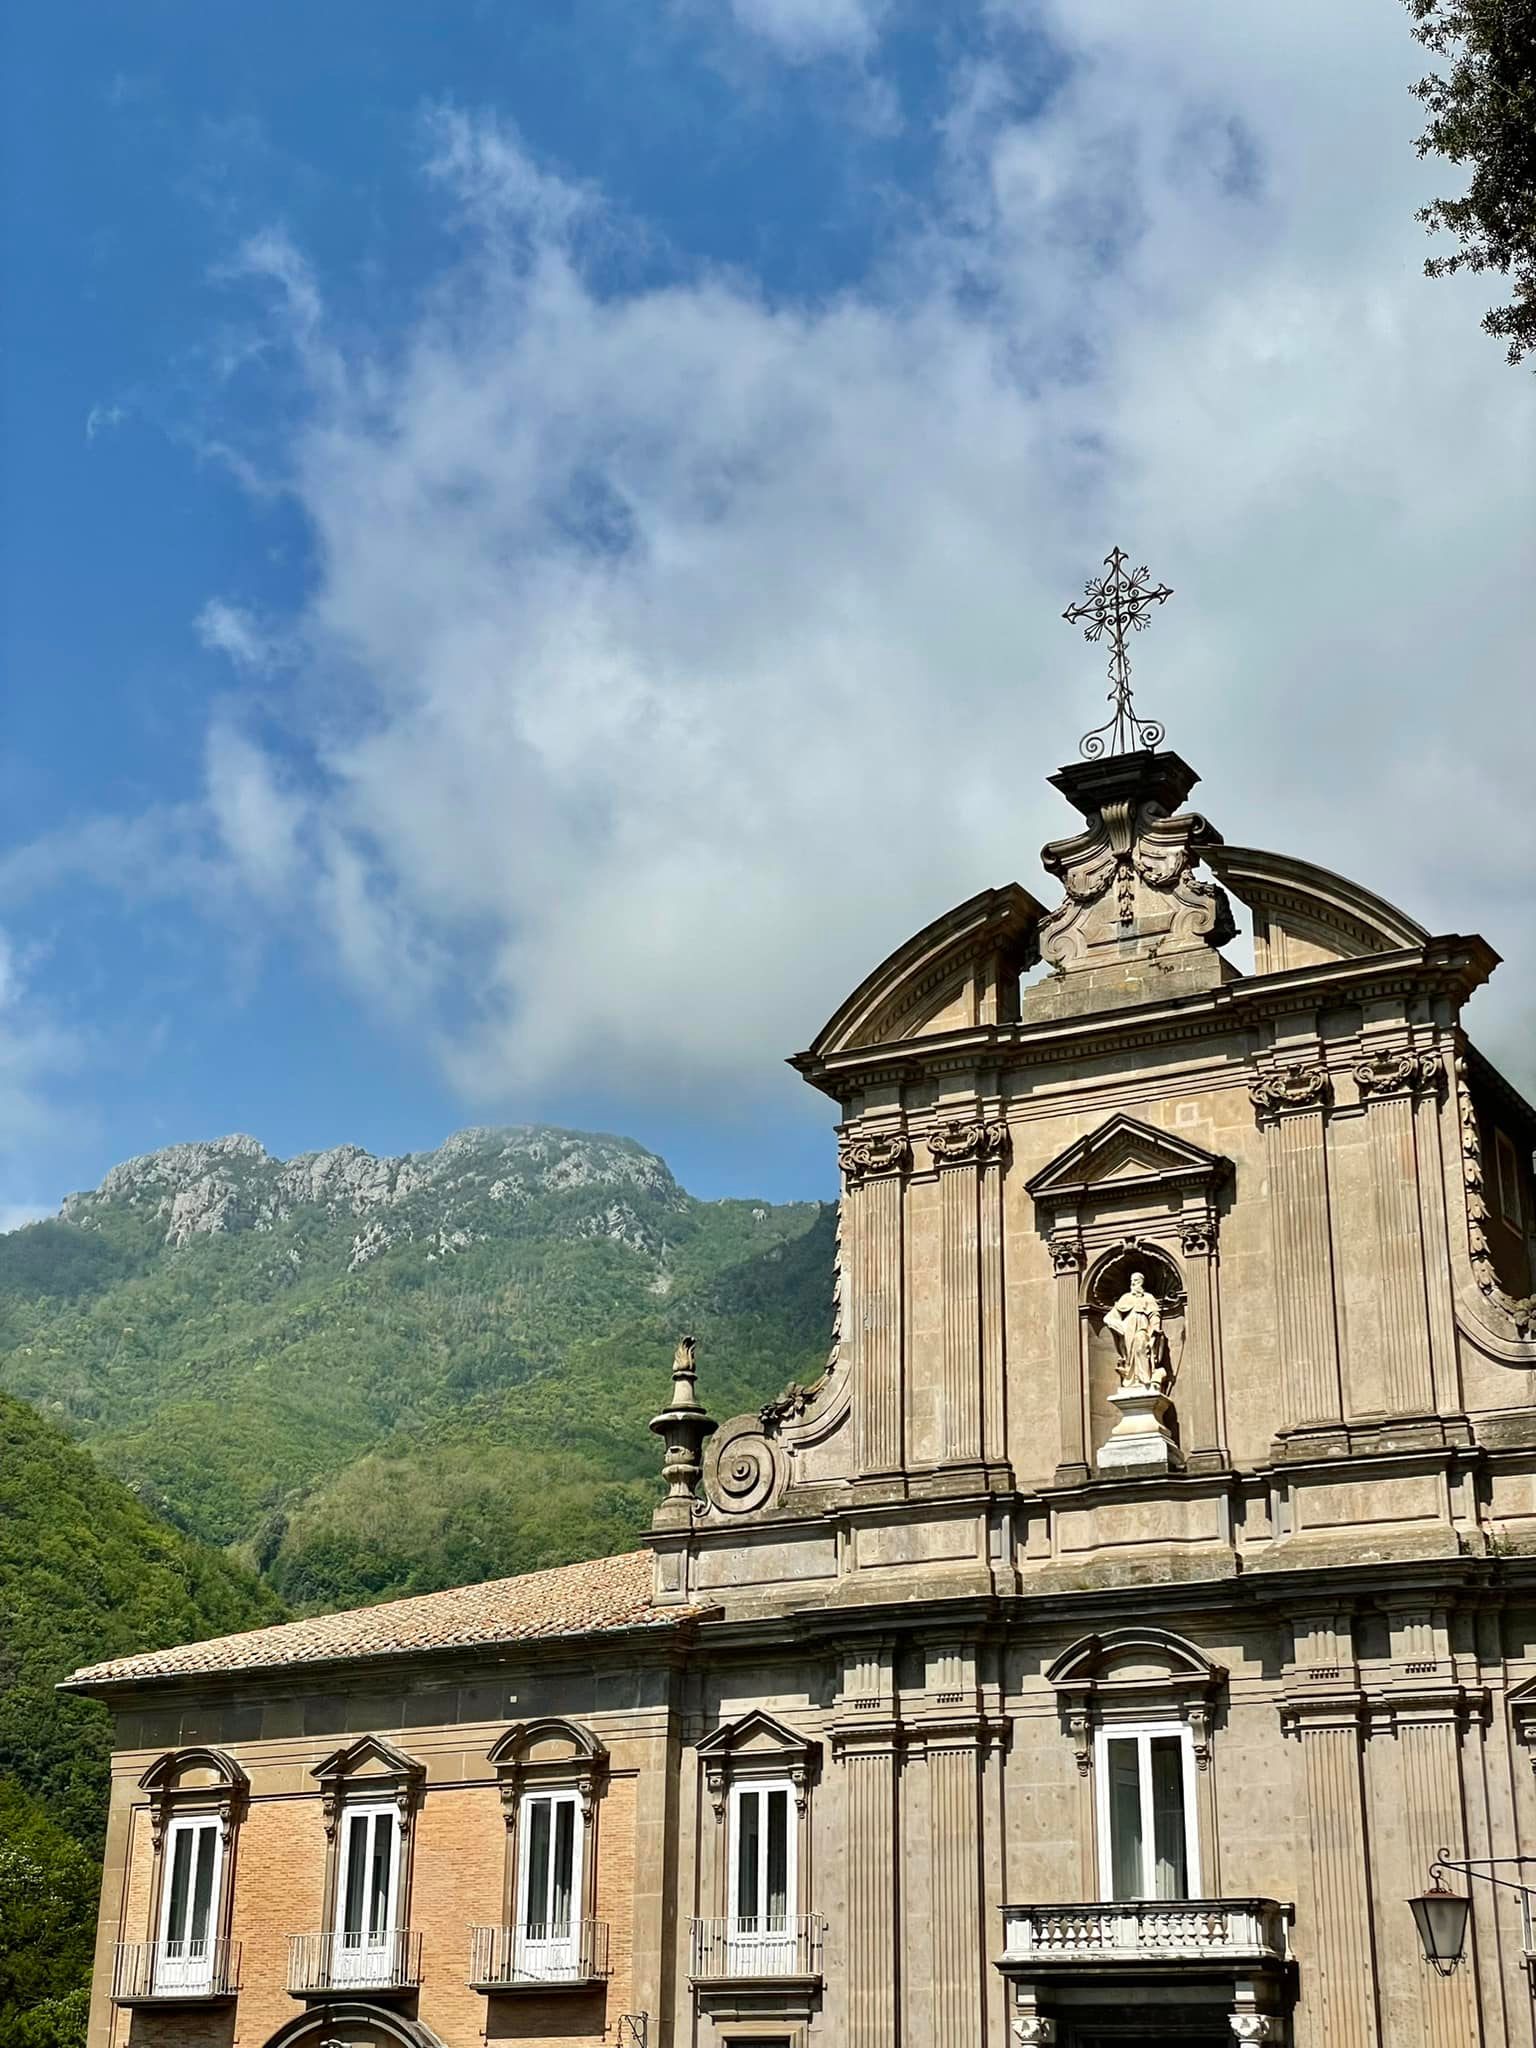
x,y
353,2023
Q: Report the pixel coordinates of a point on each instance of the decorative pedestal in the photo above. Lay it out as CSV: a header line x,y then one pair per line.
x,y
1139,1442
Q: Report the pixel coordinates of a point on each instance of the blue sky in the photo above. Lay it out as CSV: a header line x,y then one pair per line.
x,y
533,537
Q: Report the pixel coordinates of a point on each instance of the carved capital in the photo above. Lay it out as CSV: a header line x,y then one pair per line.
x,y
866,1158
1031,2028
964,1143
1252,2026
1067,1254
1301,1085
1198,1240
1402,1072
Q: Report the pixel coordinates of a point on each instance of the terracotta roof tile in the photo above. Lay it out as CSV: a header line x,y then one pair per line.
x,y
576,1599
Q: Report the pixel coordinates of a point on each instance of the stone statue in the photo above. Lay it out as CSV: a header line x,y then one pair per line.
x,y
1137,1321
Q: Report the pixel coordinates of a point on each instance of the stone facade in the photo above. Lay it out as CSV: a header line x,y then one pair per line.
x,y
1053,1669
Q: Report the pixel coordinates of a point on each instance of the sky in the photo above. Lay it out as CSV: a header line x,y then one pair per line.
x,y
533,537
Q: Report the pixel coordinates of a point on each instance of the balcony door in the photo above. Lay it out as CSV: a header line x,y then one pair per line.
x,y
1148,1841
760,1931
363,1945
548,1933
193,1858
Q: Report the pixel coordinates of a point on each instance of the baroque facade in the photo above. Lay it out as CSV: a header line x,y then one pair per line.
x,y
1099,1652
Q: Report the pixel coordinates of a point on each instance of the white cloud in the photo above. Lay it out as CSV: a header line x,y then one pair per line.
x,y
804,29
34,1050
231,629
673,653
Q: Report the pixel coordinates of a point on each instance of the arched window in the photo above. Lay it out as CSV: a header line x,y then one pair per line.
x,y
551,1773
197,1798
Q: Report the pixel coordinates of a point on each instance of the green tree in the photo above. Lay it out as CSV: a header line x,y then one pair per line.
x,y
1483,112
48,1887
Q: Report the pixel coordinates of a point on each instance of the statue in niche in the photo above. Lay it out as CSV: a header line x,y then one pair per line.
x,y
1137,1321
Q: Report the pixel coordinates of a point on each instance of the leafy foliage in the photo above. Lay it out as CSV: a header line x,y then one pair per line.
x,y
1483,113
490,1367
86,1571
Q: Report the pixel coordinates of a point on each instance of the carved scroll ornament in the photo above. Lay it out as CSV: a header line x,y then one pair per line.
x,y
1402,1072
864,1158
1298,1086
963,1143
1521,1311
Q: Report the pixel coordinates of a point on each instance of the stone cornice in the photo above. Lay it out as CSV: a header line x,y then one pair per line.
x,y
1453,965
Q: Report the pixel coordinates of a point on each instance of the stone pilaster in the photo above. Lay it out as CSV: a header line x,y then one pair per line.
x,y
1199,1410
1324,1712
1389,1083
868,1756
1067,1258
954,1149
1292,1102
873,1173
994,1356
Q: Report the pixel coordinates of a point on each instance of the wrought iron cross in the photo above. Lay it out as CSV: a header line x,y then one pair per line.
x,y
1118,604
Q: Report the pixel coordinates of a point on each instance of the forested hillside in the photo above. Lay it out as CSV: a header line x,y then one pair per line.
x,y
86,1571
369,1376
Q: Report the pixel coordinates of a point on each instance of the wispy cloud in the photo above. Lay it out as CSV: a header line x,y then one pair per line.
x,y
672,653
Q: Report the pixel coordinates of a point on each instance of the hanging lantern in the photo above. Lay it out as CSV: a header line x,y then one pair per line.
x,y
1441,1918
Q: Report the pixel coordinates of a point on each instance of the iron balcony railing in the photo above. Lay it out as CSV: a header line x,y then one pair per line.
x,y
146,1972
773,1945
569,1952
1251,1931
322,1963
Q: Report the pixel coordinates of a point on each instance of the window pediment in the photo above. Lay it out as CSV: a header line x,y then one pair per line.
x,y
371,1765
1131,1674
190,1779
547,1753
1125,1157
754,1746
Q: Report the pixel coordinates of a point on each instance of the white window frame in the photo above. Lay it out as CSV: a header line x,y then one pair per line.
x,y
189,1971
550,1957
1143,1731
362,1956
754,1945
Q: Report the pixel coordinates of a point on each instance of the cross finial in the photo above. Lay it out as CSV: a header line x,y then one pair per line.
x,y
1118,604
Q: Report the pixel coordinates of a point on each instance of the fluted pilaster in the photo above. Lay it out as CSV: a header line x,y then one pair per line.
x,y
954,1849
873,1177
1067,1257
1389,1083
961,1269
873,1878
1344,2005
1198,1406
994,1360
1292,1102
1434,1819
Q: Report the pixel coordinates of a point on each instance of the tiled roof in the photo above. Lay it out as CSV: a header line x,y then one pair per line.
x,y
574,1600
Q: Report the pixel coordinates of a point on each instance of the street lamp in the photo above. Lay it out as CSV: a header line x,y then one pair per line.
x,y
1441,1917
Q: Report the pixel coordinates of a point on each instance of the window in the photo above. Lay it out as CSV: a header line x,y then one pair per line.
x,y
1147,1839
1508,1158
548,1932
762,1874
189,1904
367,1884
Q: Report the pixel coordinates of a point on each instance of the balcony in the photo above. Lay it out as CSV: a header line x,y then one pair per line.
x,y
738,1964
175,1972
320,1965
1145,1936
572,1956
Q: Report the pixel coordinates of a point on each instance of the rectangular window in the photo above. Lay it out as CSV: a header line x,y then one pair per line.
x,y
1147,1838
1510,1206
762,1906
189,1904
548,1936
365,1891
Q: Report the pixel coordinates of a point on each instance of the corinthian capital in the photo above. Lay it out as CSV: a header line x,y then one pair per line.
x,y
962,1142
1401,1072
882,1152
1301,1085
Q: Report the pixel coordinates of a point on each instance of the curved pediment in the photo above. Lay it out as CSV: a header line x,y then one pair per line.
x,y
960,971
1133,1658
549,1740
1304,916
1123,1155
194,1770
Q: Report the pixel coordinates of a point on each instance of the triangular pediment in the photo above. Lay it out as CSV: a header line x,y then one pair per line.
x,y
1124,1154
371,1756
756,1733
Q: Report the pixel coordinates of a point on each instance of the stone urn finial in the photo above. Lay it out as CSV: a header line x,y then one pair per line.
x,y
683,1427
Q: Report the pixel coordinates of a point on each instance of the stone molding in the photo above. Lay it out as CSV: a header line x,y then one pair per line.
x,y
757,1745
1400,1071
584,1768
867,1158
973,1142
347,1771
1092,1693
226,1796
1297,1085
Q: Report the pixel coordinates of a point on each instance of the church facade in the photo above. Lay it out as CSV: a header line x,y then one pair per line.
x,y
1099,1652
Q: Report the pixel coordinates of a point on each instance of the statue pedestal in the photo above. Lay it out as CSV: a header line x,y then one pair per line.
x,y
1139,1442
